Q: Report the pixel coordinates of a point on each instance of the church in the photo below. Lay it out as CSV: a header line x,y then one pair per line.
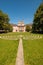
x,y
20,27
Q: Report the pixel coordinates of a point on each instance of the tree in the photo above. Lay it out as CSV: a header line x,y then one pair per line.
x,y
28,28
38,20
4,22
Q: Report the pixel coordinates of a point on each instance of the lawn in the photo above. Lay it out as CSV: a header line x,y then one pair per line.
x,y
33,51
32,45
13,35
8,51
16,33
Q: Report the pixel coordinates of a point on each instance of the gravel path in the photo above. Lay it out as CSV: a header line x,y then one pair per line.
x,y
20,58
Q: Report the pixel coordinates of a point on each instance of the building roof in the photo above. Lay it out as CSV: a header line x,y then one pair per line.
x,y
13,24
20,22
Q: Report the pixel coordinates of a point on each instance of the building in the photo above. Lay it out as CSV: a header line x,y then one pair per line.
x,y
20,27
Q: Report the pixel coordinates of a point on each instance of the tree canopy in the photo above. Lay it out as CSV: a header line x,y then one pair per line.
x,y
38,20
28,28
4,22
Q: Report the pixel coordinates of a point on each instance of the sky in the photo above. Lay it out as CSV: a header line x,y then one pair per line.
x,y
20,10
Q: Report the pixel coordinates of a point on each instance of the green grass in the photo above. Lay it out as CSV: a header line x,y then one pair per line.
x,y
15,33
8,51
33,49
33,52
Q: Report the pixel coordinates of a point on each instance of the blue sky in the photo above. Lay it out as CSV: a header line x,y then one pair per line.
x,y
19,10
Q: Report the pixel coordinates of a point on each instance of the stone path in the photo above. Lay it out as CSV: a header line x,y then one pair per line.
x,y
20,58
